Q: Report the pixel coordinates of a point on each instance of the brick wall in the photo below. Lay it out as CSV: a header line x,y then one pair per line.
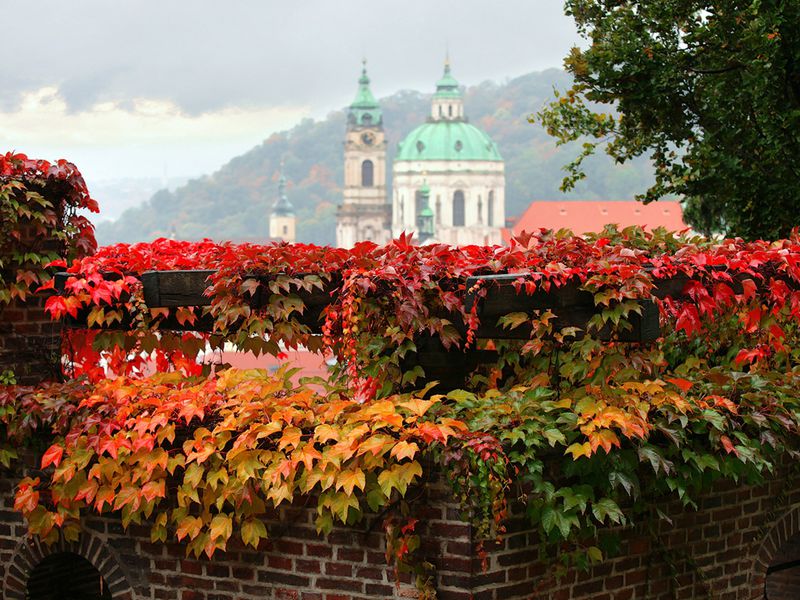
x,y
29,341
721,551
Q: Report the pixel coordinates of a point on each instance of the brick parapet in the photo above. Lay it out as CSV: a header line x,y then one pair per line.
x,y
721,551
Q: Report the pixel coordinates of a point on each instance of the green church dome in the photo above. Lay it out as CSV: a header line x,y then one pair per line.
x,y
447,140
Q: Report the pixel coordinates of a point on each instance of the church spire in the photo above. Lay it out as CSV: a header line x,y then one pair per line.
x,y
447,102
364,110
282,205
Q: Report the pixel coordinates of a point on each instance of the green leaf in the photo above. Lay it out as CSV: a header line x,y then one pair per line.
x,y
606,508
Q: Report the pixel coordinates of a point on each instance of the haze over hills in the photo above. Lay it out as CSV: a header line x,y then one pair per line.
x,y
234,203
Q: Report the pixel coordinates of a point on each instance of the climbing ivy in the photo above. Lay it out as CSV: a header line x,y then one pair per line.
x,y
583,431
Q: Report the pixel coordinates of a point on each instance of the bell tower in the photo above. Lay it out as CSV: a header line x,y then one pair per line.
x,y
282,221
365,214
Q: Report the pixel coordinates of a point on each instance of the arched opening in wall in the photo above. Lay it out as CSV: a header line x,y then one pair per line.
x,y
367,173
490,209
458,209
66,576
783,573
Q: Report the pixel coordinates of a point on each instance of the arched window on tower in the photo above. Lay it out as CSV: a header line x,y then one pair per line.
x,y
458,209
438,209
490,209
367,173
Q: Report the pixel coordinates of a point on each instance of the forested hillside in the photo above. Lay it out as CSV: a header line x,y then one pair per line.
x,y
234,202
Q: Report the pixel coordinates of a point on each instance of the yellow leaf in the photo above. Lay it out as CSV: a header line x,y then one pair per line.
x,y
341,503
564,403
323,433
221,527
350,479
578,450
252,531
398,477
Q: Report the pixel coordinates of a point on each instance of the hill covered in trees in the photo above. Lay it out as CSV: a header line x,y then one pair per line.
x,y
234,203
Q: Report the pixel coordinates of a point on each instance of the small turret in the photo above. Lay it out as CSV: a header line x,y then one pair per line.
x,y
447,104
282,221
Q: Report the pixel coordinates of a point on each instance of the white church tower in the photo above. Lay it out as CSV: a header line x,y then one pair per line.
x,y
365,213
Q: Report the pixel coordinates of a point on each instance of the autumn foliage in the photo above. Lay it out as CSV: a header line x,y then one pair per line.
x,y
587,433
39,221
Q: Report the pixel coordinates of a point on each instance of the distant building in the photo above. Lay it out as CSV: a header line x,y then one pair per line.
x,y
461,168
586,216
448,177
365,213
282,221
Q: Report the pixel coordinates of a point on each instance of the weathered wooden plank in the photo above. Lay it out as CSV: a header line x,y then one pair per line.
x,y
165,289
573,307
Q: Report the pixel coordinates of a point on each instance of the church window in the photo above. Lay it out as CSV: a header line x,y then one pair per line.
x,y
420,146
458,209
459,146
285,230
401,209
438,209
418,206
367,173
441,112
366,119
480,209
490,209
450,110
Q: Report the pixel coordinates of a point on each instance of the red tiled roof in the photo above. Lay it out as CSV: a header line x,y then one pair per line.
x,y
310,363
585,216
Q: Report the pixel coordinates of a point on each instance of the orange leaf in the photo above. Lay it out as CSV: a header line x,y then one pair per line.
x,y
377,444
683,384
417,406
404,449
153,489
728,445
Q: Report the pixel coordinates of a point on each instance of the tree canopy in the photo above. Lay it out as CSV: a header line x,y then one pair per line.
x,y
709,90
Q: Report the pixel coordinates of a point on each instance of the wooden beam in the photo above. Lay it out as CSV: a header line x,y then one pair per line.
x,y
165,289
572,306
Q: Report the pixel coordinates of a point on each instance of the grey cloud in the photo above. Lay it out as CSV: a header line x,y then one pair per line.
x,y
207,55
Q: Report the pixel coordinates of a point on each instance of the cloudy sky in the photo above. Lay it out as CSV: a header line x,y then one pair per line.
x,y
136,88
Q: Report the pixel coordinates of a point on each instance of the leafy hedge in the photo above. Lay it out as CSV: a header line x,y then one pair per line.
x,y
585,432
40,221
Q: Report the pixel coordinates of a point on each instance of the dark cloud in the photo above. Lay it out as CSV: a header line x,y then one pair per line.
x,y
207,55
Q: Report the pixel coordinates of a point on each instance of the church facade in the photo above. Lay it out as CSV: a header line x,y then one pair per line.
x,y
448,178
